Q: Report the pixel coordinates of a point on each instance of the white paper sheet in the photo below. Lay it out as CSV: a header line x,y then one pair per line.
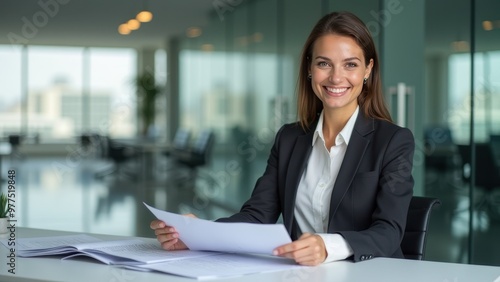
x,y
222,266
205,235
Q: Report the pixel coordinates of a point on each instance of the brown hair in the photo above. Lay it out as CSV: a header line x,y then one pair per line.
x,y
371,99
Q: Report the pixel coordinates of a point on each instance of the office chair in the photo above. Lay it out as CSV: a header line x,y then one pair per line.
x,y
441,161
198,154
413,243
180,142
15,142
187,183
90,144
440,148
188,161
487,172
495,147
118,154
181,139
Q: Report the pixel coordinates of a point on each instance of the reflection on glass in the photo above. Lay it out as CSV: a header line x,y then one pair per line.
x,y
112,94
161,80
10,92
56,102
486,96
55,91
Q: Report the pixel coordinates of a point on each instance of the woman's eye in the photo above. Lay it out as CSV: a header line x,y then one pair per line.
x,y
323,64
351,65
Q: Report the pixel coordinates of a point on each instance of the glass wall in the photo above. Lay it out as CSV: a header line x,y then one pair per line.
x,y
461,123
484,180
112,99
57,93
240,76
54,92
10,92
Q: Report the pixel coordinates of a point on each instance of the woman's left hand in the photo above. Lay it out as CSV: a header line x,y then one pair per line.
x,y
309,249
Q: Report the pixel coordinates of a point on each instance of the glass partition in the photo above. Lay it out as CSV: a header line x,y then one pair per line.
x,y
112,109
484,159
55,92
10,92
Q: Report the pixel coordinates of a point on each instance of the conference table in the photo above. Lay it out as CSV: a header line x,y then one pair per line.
x,y
377,269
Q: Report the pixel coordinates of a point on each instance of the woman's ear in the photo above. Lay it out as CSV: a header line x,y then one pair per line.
x,y
369,67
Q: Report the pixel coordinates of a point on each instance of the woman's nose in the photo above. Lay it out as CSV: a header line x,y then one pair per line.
x,y
335,76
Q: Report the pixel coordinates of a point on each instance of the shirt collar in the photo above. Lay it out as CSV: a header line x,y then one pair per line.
x,y
345,133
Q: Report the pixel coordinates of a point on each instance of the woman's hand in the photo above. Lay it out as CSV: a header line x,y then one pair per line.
x,y
309,249
167,235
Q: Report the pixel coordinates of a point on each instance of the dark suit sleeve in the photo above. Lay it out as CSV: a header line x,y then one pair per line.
x,y
395,189
264,204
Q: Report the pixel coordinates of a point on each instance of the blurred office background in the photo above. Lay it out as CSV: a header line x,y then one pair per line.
x,y
87,150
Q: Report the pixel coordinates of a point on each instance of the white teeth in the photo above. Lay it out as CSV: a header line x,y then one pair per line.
x,y
336,90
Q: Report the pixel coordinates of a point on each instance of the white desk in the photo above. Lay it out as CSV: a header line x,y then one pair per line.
x,y
379,269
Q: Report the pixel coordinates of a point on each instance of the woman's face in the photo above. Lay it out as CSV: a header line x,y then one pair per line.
x,y
338,69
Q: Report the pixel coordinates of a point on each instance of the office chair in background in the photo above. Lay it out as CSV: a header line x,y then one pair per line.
x,y
119,154
15,141
187,182
487,174
417,223
196,155
440,146
181,142
495,147
441,161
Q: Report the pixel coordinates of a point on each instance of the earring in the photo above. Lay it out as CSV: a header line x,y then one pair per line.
x,y
364,80
309,76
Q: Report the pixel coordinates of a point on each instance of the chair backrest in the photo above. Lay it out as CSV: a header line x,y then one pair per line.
x,y
200,151
495,147
487,169
15,140
181,139
203,143
413,243
438,136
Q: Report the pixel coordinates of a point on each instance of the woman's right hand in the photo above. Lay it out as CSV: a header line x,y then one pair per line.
x,y
167,236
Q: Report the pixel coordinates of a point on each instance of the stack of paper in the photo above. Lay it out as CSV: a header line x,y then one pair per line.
x,y
215,249
120,252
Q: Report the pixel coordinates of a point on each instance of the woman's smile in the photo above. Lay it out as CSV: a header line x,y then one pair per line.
x,y
335,91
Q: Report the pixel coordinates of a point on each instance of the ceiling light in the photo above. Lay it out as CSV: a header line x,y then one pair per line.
x,y
487,25
144,16
207,47
193,32
257,37
460,46
123,29
133,24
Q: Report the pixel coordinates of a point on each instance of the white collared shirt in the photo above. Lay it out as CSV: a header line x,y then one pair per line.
x,y
312,204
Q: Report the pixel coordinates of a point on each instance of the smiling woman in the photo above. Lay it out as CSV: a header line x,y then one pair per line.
x,y
338,73
341,176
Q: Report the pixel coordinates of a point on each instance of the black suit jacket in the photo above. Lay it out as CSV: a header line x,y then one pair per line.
x,y
371,195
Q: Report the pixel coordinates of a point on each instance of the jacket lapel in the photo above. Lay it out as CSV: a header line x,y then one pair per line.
x,y
297,164
353,156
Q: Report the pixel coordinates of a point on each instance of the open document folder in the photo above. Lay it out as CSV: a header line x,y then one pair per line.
x,y
205,235
117,252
